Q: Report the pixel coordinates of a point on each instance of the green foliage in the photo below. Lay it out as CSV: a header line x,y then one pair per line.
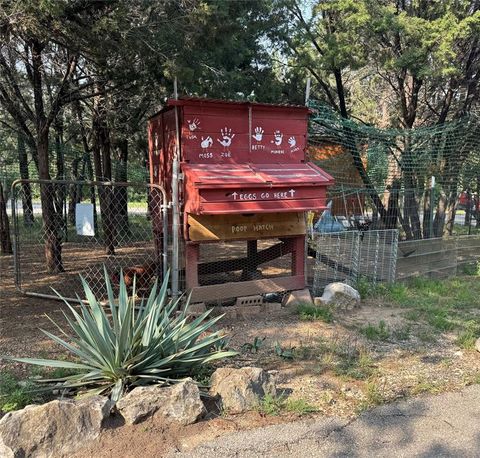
x,y
140,344
275,405
373,396
443,304
271,405
284,353
467,338
376,332
254,346
299,406
311,313
472,269
13,394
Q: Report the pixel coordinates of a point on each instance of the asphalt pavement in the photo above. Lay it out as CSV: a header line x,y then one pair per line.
x,y
445,425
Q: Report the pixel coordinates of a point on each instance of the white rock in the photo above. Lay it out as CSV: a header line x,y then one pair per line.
x,y
180,403
241,389
341,295
477,344
57,428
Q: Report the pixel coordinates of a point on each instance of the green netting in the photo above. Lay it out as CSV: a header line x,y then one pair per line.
x,y
386,174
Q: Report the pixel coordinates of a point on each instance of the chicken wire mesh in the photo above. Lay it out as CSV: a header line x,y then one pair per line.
x,y
64,229
424,181
349,256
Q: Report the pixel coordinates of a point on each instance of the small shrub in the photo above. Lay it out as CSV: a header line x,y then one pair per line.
x,y
311,313
271,405
376,332
140,344
471,269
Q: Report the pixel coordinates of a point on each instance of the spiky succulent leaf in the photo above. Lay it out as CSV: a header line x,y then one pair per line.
x,y
136,345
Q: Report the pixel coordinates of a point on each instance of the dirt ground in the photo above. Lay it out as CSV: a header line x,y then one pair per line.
x,y
335,368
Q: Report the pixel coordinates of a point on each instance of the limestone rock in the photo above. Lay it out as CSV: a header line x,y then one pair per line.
x,y
57,428
296,298
241,389
340,295
180,403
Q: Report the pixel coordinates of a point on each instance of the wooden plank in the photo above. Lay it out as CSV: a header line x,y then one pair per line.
x,y
420,247
246,288
441,272
415,268
238,226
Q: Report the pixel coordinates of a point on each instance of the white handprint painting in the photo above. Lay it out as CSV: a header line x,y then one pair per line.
x,y
206,142
292,142
278,138
227,137
258,135
193,125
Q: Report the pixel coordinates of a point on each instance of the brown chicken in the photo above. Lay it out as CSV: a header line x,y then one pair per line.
x,y
145,275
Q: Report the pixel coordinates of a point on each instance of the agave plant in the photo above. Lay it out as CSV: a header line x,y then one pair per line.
x,y
138,344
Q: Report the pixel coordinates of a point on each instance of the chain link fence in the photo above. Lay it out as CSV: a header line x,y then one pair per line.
x,y
351,256
63,229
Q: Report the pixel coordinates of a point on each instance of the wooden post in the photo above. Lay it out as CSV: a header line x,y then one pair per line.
x,y
192,254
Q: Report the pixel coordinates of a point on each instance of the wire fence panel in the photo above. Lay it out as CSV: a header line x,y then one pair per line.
x,y
349,256
64,229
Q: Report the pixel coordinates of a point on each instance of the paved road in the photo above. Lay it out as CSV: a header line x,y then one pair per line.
x,y
446,425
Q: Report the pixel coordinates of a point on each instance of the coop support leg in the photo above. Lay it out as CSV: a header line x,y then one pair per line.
x,y
252,249
192,253
298,256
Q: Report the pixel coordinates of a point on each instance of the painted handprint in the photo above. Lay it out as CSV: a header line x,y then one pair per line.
x,y
227,137
194,124
258,134
292,142
207,142
278,137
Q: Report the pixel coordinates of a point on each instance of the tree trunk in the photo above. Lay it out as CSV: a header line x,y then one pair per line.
x,y
103,171
27,204
53,241
5,241
121,192
75,194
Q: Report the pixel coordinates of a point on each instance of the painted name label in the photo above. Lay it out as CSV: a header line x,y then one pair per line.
x,y
266,195
239,228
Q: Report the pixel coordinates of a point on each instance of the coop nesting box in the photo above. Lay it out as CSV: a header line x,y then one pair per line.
x,y
243,190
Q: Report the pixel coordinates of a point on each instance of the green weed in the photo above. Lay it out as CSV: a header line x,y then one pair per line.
x,y
466,339
472,269
284,353
271,405
299,407
376,332
373,396
275,405
254,346
311,313
14,395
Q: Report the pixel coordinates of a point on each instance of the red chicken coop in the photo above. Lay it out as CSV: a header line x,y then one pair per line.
x,y
239,184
